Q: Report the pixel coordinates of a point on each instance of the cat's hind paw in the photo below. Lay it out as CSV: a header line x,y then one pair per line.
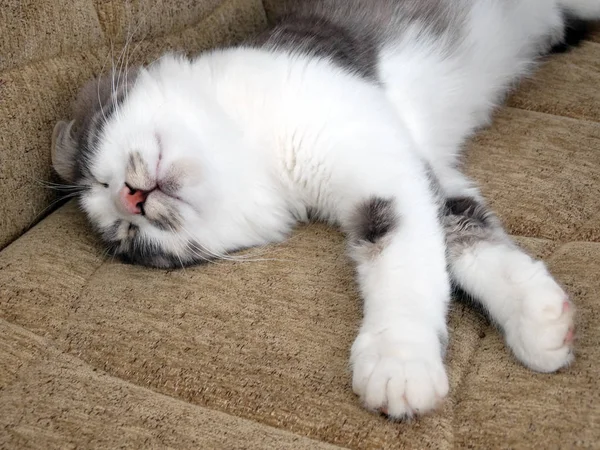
x,y
541,332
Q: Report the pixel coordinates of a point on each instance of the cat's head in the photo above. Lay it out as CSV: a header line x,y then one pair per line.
x,y
160,166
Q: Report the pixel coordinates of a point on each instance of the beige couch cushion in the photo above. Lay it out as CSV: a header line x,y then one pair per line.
x,y
77,406
263,341
254,355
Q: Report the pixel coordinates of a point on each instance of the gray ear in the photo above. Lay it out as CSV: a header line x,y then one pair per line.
x,y
64,151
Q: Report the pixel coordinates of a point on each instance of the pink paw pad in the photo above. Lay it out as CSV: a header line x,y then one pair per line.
x,y
570,336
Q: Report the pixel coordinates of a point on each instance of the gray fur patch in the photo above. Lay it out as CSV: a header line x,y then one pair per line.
x,y
161,212
167,219
138,175
140,251
170,184
173,180
470,212
134,248
96,103
466,222
353,32
321,38
373,220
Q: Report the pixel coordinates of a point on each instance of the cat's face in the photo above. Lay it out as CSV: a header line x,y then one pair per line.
x,y
155,169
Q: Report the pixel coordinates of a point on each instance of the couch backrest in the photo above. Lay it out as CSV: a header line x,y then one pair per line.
x,y
49,48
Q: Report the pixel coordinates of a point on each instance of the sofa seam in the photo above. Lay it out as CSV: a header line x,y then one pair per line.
x,y
51,345
543,113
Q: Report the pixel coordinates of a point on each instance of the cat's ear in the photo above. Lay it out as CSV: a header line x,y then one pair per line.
x,y
64,151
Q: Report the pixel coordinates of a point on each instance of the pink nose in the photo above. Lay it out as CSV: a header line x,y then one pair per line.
x,y
133,199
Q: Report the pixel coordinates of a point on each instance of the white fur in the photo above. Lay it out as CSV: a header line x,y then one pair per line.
x,y
268,135
521,296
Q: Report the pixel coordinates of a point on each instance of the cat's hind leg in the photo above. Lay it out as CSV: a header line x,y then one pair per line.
x,y
517,291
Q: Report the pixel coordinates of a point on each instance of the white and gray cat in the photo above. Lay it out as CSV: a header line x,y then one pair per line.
x,y
349,111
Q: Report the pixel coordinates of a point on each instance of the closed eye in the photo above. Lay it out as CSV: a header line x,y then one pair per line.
x,y
95,180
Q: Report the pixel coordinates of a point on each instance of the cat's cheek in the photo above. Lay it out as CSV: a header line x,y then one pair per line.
x,y
100,208
184,172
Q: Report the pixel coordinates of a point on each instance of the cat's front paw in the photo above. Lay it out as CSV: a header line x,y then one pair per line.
x,y
396,376
541,331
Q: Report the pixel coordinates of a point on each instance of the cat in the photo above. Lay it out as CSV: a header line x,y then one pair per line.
x,y
352,112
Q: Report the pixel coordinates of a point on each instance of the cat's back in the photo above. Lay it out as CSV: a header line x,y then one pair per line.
x,y
352,33
378,17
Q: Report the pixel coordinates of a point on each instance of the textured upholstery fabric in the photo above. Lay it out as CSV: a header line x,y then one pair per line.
x,y
97,354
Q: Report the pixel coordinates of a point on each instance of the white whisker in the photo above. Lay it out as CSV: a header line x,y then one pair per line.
x,y
225,256
51,205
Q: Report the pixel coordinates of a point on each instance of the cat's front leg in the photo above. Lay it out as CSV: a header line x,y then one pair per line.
x,y
397,358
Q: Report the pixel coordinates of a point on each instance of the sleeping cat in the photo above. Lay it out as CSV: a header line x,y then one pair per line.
x,y
352,112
